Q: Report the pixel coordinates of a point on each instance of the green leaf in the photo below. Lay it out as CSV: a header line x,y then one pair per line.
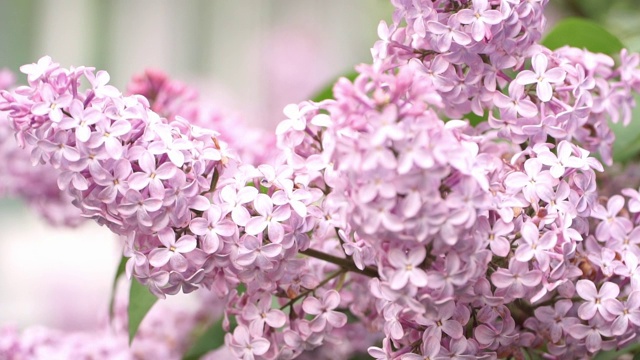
x,y
212,338
475,119
582,33
119,272
627,143
327,91
140,302
614,355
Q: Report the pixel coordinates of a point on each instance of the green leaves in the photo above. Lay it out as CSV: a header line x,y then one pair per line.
x,y
140,302
119,273
582,33
614,355
627,144
212,338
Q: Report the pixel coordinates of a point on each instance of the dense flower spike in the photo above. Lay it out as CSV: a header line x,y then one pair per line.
x,y
469,241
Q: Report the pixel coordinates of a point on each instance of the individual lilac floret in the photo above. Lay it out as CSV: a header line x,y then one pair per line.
x,y
542,77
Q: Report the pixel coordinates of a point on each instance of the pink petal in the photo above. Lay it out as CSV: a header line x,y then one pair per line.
x,y
331,299
544,91
312,306
256,225
159,257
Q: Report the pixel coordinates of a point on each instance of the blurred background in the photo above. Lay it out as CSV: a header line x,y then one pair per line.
x,y
248,56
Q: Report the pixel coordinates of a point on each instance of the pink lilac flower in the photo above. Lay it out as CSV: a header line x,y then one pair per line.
x,y
542,77
324,311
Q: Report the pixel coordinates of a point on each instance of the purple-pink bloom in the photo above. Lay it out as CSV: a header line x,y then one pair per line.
x,y
515,281
481,17
173,250
323,309
542,77
597,301
245,345
407,268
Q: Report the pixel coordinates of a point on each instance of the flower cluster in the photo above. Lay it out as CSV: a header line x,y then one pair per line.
x,y
384,205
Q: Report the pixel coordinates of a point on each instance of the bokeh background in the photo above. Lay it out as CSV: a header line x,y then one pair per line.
x,y
251,57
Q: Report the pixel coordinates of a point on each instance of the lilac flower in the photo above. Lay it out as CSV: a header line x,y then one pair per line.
x,y
534,245
151,175
429,349
135,203
564,159
114,182
108,133
59,149
597,301
323,309
210,227
173,251
480,17
51,104
542,77
610,222
253,252
268,218
245,345
593,333
234,199
556,319
442,322
531,181
81,119
260,313
448,33
37,70
407,268
517,103
383,353
172,147
626,312
515,281
497,236
500,333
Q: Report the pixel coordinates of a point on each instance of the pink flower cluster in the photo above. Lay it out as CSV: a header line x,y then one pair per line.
x,y
383,206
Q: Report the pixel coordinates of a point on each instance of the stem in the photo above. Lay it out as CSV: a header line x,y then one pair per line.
x,y
344,263
309,291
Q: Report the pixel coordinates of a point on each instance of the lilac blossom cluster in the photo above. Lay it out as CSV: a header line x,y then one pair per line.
x,y
469,242
488,239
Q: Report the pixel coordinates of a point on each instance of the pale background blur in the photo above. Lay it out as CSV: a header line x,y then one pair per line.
x,y
247,56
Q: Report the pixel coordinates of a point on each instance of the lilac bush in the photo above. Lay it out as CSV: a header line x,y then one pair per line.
x,y
382,210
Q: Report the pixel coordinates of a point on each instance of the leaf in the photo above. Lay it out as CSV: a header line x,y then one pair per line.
x,y
140,302
327,91
627,143
614,355
119,272
212,338
475,119
582,33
